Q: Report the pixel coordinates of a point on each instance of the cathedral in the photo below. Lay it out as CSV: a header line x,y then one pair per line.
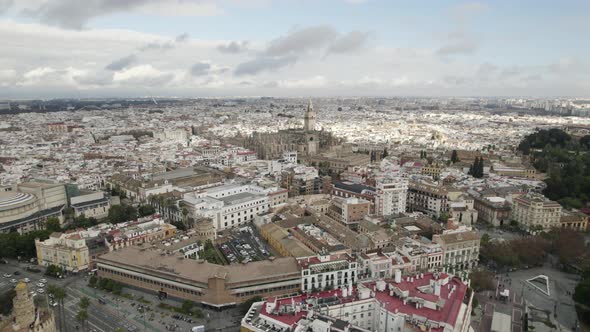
x,y
307,141
25,317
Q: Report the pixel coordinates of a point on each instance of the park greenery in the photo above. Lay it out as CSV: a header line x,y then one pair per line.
x,y
16,245
566,162
210,254
566,245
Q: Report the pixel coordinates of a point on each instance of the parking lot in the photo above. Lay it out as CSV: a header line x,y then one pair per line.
x,y
244,245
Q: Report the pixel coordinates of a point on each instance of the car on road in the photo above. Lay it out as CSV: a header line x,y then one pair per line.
x,y
32,293
40,285
27,280
43,281
14,281
40,290
16,273
7,275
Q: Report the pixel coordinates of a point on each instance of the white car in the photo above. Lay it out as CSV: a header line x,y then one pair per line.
x,y
40,284
27,280
6,275
44,281
40,290
32,294
14,281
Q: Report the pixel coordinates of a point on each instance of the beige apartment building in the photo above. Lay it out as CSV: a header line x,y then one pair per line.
x,y
67,250
349,211
536,212
574,220
460,247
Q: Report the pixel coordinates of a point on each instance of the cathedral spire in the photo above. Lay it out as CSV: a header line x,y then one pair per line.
x,y
309,119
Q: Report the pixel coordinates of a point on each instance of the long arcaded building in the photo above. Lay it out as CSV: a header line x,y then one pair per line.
x,y
211,284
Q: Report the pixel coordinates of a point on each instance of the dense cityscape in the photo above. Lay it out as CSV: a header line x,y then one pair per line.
x,y
336,177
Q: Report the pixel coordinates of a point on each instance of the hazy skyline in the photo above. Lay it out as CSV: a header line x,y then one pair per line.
x,y
101,48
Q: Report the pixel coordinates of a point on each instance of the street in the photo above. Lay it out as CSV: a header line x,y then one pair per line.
x,y
118,311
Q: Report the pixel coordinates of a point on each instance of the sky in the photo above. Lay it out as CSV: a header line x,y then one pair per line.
x,y
216,48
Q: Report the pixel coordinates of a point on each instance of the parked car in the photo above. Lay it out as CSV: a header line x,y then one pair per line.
x,y
27,280
7,275
40,284
40,290
14,281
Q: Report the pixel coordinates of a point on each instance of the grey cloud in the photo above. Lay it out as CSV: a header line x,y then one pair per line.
x,y
158,80
532,78
458,46
233,47
349,42
270,85
74,14
157,46
264,63
302,40
511,71
122,63
200,69
5,5
101,78
455,80
486,71
182,37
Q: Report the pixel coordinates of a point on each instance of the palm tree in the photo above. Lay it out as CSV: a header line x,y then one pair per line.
x,y
82,317
59,294
84,303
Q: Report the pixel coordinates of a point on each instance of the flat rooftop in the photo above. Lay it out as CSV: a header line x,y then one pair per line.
x,y
154,262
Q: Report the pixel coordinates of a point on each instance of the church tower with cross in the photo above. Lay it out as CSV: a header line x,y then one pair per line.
x,y
310,117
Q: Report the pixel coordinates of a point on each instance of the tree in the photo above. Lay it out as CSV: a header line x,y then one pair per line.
x,y
92,282
454,157
146,210
122,213
59,294
485,239
82,317
53,225
187,306
245,306
84,302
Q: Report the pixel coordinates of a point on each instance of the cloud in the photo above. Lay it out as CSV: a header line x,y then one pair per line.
x,y
486,71
157,46
466,11
350,42
122,63
7,77
265,63
200,68
74,14
5,5
233,47
182,37
95,79
302,40
458,43
142,75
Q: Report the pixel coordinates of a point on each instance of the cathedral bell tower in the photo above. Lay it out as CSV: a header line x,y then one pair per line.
x,y
309,119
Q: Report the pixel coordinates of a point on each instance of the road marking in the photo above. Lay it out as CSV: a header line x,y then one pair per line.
x,y
88,321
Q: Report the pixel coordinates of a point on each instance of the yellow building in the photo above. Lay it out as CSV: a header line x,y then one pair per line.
x,y
67,250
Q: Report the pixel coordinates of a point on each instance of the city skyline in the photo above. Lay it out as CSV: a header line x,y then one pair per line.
x,y
64,48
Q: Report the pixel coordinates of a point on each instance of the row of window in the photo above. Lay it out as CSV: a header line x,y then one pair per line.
x,y
163,285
